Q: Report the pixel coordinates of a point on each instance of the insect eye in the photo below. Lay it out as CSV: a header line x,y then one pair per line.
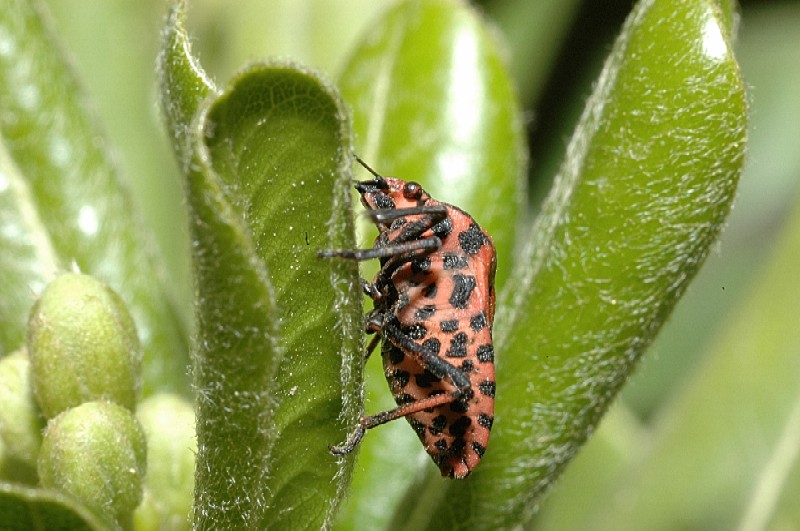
x,y
412,190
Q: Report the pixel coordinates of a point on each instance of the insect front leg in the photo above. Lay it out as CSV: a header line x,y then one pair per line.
x,y
360,255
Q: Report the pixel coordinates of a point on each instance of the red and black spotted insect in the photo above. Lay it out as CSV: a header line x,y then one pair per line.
x,y
433,309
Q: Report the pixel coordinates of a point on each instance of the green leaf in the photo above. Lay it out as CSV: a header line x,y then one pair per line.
x,y
535,33
747,395
183,85
28,259
279,329
40,509
81,202
433,102
642,195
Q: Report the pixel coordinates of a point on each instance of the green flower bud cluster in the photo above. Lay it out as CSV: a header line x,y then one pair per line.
x,y
82,372
86,362
67,404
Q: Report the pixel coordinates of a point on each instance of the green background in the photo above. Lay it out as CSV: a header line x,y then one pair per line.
x,y
628,474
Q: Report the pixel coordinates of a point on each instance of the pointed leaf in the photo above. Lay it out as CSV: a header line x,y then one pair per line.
x,y
644,191
433,102
739,418
183,84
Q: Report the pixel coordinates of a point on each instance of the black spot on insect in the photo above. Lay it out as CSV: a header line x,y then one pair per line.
x,y
421,265
396,224
441,445
464,284
459,406
451,325
411,231
426,379
416,331
396,356
401,378
402,399
477,322
459,427
383,202
454,262
485,353
472,239
486,420
487,388
438,424
458,446
478,448
458,346
418,427
432,346
443,228
425,313
467,366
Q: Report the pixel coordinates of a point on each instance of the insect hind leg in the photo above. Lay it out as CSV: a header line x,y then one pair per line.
x,y
436,365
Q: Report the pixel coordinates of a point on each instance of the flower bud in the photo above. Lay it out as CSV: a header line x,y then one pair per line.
x,y
97,453
20,422
169,425
83,346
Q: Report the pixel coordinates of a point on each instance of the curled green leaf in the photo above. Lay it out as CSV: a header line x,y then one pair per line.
x,y
279,329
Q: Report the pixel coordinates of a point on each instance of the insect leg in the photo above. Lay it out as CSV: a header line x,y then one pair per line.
x,y
372,345
437,212
371,421
436,365
429,359
429,244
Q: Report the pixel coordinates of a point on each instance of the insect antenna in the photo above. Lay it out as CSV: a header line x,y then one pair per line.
x,y
369,169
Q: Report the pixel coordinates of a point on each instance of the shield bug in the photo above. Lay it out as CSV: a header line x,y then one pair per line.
x,y
433,309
